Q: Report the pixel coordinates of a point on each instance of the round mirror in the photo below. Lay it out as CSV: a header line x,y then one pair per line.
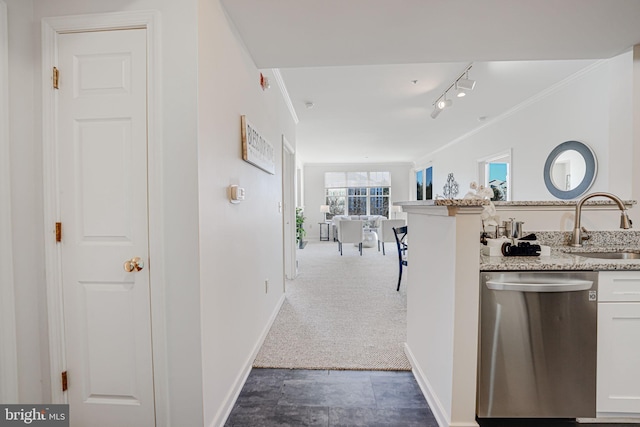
x,y
570,170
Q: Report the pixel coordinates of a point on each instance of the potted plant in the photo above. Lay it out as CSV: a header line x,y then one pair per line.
x,y
300,231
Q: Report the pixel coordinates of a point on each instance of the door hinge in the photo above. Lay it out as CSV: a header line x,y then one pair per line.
x,y
58,232
64,381
56,76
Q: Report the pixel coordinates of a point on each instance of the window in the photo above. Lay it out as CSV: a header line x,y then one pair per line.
x,y
336,199
428,183
424,184
498,173
358,193
379,201
495,173
357,201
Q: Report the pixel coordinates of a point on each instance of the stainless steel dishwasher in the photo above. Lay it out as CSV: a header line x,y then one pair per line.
x,y
537,355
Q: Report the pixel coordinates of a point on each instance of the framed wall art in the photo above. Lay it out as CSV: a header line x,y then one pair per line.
x,y
256,149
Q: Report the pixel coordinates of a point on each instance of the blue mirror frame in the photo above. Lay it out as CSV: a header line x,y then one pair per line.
x,y
589,176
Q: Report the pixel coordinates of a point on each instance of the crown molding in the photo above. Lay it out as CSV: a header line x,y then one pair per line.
x,y
285,94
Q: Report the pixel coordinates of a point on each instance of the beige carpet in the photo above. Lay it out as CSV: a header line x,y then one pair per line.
x,y
341,312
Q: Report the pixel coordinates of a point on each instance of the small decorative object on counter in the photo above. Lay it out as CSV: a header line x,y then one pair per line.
x,y
507,227
489,215
513,229
497,242
522,249
450,189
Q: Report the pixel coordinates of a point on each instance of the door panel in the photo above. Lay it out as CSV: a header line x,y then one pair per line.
x,y
104,174
102,74
103,355
102,157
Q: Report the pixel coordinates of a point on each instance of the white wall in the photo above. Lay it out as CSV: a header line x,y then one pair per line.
x,y
8,350
26,206
593,107
621,122
314,186
634,176
241,245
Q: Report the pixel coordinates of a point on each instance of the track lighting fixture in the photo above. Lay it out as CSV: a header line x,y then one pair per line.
x,y
460,92
462,85
444,103
440,104
466,84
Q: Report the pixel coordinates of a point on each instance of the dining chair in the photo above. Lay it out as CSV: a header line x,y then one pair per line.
x,y
400,234
350,231
386,231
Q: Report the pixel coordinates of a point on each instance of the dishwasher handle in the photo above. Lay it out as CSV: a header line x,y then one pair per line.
x,y
552,286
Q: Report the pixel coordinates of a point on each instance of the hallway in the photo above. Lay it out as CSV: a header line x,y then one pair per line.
x,y
334,396
341,312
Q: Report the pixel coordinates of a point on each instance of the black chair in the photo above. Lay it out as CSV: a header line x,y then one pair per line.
x,y
401,235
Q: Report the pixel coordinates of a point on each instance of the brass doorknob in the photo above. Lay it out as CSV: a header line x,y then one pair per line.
x,y
133,264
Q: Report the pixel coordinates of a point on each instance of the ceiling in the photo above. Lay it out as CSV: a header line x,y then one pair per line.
x,y
373,68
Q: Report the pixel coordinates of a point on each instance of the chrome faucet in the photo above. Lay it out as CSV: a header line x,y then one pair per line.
x,y
625,222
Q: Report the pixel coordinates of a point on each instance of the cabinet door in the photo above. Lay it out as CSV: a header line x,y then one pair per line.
x,y
618,389
623,286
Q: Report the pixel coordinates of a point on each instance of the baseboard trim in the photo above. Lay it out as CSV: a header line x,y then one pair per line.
x,y
434,403
610,419
233,394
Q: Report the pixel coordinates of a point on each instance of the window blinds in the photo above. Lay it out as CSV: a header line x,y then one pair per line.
x,y
357,179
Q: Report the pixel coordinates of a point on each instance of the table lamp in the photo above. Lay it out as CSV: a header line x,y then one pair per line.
x,y
395,210
325,210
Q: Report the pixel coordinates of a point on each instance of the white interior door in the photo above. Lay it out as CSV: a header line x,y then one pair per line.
x,y
102,163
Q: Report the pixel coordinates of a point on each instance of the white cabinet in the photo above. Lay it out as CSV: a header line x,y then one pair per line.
x,y
618,379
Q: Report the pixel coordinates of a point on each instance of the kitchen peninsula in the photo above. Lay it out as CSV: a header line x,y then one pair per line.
x,y
443,288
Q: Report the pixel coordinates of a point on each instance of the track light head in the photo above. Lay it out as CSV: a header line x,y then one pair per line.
x,y
440,105
460,92
444,103
465,84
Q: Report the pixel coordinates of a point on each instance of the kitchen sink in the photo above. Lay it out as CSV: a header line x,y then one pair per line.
x,y
609,255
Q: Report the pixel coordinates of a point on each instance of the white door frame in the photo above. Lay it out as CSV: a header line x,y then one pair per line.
x,y
288,196
150,20
9,349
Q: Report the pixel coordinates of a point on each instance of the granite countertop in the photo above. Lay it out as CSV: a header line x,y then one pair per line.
x,y
561,260
445,202
598,202
565,257
482,202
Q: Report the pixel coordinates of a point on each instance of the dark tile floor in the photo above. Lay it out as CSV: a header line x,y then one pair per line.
x,y
285,397
296,398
